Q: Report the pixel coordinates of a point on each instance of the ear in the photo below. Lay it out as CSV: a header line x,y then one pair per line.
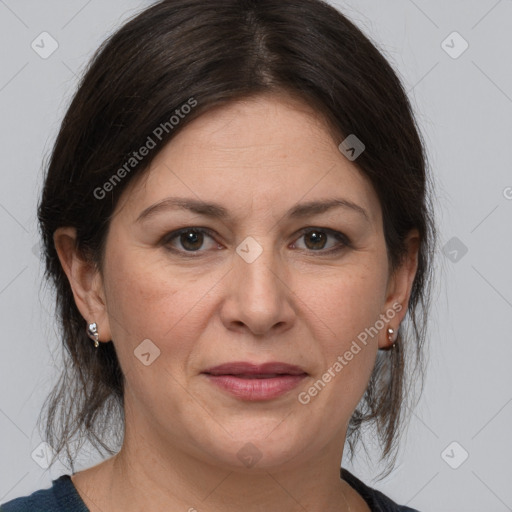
x,y
399,288
85,280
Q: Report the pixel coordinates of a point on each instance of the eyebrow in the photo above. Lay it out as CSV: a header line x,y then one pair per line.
x,y
216,211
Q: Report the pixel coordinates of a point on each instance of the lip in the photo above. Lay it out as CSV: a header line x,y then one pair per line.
x,y
249,381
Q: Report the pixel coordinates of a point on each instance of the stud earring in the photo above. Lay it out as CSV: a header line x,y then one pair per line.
x,y
391,337
92,332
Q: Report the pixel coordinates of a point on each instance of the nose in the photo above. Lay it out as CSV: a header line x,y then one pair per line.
x,y
259,295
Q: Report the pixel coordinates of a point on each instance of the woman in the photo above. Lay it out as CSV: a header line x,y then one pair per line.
x,y
236,218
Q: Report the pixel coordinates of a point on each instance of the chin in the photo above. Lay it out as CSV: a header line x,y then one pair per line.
x,y
261,446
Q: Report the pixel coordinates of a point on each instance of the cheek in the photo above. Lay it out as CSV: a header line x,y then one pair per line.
x,y
138,303
148,300
343,307
342,304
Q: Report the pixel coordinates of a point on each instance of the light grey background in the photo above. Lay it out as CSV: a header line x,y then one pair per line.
x,y
464,107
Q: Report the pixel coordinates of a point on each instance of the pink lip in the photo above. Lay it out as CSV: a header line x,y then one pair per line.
x,y
245,368
250,381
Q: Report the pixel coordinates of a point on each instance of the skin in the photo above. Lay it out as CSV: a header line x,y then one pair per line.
x,y
258,158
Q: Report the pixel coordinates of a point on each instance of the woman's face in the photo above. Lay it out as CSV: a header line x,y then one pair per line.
x,y
254,287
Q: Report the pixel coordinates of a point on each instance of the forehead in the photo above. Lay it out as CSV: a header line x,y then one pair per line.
x,y
264,154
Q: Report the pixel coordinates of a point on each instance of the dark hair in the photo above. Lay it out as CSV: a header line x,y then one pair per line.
x,y
206,54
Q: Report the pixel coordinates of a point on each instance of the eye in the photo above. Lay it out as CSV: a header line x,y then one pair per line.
x,y
316,240
190,239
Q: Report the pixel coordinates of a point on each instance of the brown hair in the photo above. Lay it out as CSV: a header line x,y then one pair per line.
x,y
215,53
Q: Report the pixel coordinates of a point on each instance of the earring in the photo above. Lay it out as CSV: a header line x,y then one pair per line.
x,y
92,332
391,337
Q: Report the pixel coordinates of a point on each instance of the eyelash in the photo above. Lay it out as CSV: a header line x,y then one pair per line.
x,y
341,237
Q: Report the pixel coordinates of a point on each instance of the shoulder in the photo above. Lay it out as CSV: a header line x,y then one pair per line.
x,y
376,500
61,496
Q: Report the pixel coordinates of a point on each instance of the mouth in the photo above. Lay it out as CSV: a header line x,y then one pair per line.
x,y
249,370
249,381
246,376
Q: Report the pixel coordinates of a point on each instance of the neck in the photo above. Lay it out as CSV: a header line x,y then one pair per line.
x,y
156,483
154,471
143,477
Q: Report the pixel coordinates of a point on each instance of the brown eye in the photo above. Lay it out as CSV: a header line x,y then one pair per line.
x,y
191,240
188,240
317,240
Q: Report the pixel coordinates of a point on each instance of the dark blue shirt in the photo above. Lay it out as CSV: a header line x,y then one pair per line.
x,y
62,496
